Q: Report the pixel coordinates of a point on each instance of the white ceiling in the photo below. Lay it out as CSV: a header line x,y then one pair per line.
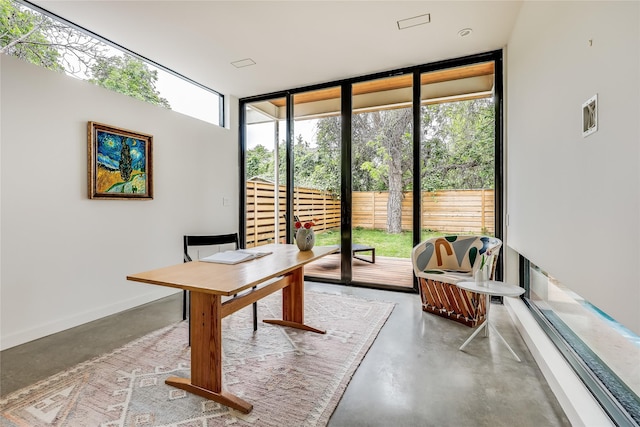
x,y
294,43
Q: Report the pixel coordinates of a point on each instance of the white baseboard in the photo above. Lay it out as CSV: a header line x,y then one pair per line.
x,y
576,400
42,330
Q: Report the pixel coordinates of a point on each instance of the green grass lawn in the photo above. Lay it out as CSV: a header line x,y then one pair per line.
x,y
386,244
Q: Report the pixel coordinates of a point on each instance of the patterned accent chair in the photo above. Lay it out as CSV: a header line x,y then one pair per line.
x,y
441,262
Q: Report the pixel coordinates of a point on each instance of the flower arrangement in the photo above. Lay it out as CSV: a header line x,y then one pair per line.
x,y
306,225
482,274
483,261
305,239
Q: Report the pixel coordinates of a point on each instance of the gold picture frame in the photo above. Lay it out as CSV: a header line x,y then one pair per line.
x,y
120,163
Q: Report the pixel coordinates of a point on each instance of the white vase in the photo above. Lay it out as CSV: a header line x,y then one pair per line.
x,y
305,239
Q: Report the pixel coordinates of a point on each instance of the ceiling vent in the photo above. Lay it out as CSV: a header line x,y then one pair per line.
x,y
243,63
415,21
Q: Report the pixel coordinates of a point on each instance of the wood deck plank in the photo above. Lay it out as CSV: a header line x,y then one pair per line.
x,y
386,270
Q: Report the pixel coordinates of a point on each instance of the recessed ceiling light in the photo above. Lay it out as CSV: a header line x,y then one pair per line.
x,y
465,32
412,22
243,63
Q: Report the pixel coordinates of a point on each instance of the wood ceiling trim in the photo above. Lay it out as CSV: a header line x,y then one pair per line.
x,y
391,83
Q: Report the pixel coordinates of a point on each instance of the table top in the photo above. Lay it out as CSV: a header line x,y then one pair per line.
x,y
230,279
492,287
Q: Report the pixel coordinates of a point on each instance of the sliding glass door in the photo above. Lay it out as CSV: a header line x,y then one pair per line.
x,y
264,180
458,146
378,164
381,182
317,145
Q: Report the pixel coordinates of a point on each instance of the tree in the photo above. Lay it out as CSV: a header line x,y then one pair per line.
x,y
458,145
327,172
43,41
305,161
368,175
52,44
129,76
21,36
457,152
392,163
363,155
259,163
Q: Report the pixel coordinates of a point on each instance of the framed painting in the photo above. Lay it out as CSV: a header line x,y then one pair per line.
x,y
119,163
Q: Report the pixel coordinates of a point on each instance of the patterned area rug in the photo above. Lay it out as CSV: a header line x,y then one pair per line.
x,y
292,378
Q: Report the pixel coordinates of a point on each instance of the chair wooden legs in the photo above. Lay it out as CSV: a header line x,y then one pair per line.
x,y
448,300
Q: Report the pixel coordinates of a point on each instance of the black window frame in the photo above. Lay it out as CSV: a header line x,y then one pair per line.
x,y
495,56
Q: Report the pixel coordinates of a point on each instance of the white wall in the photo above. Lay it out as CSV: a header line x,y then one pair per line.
x,y
64,257
573,202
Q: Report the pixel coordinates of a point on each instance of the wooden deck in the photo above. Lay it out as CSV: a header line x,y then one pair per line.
x,y
387,271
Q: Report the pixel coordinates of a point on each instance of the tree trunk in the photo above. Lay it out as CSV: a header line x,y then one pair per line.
x,y
394,204
394,135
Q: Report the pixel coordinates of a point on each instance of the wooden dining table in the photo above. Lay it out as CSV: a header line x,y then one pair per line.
x,y
245,283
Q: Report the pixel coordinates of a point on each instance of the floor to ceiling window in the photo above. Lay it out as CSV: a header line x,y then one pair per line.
x,y
365,131
458,150
265,181
317,144
382,163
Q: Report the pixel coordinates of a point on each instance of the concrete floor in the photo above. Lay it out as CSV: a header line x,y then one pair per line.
x,y
413,375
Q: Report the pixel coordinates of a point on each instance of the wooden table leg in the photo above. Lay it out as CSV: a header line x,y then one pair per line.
x,y
206,354
293,304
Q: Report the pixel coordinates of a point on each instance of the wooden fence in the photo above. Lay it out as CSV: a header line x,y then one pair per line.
x,y
451,211
308,204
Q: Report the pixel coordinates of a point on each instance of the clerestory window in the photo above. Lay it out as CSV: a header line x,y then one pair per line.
x,y
37,36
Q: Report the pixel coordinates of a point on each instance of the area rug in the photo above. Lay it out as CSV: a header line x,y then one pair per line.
x,y
292,377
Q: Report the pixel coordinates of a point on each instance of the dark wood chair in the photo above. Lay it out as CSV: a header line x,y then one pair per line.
x,y
210,240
